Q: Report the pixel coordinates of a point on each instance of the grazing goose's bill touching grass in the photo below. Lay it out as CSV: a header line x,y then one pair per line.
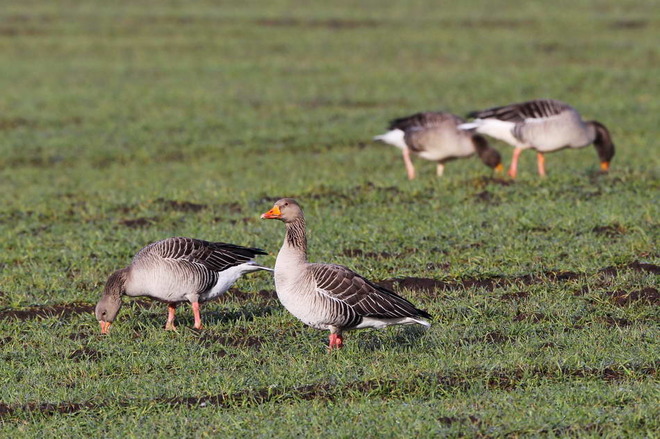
x,y
545,125
435,136
177,270
332,297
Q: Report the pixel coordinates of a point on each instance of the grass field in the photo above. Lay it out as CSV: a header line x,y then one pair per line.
x,y
122,123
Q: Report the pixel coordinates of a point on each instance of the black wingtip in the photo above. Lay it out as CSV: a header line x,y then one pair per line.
x,y
472,114
424,314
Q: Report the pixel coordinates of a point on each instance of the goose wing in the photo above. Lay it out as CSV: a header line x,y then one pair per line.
x,y
356,296
523,111
215,256
424,120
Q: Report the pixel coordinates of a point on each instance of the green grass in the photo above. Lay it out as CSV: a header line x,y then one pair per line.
x,y
115,113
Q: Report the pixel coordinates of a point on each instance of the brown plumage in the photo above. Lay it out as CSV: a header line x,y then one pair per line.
x,y
435,136
545,125
328,296
177,270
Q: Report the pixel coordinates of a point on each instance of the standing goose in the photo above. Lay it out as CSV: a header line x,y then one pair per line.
x,y
435,136
177,270
545,125
328,296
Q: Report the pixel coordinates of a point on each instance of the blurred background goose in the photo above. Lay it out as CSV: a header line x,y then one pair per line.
x,y
545,125
177,270
327,296
435,136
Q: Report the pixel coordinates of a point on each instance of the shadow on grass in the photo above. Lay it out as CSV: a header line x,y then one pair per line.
x,y
403,338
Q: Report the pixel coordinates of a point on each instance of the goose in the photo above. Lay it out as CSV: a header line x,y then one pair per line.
x,y
545,125
327,296
177,270
435,136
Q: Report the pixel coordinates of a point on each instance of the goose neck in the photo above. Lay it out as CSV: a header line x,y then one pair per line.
x,y
115,287
296,237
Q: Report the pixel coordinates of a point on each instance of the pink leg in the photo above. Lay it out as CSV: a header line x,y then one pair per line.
x,y
336,342
171,309
409,165
513,170
541,163
198,317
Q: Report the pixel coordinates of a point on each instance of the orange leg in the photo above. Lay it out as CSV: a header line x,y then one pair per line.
x,y
336,342
171,309
540,158
513,170
409,165
198,317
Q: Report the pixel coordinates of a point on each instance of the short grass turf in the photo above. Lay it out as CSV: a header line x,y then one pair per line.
x,y
126,122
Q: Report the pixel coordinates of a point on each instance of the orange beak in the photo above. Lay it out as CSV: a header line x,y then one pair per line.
x,y
604,166
499,168
105,327
273,213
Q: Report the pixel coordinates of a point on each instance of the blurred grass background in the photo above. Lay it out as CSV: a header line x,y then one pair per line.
x,y
116,116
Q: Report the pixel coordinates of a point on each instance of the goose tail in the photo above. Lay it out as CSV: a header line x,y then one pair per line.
x,y
393,137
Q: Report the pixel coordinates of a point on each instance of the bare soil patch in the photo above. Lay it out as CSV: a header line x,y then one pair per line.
x,y
138,222
610,231
615,321
532,317
332,24
427,285
493,23
181,206
629,24
635,266
62,311
85,354
17,122
486,197
648,295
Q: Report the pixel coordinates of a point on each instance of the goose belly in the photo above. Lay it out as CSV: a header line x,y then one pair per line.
x,y
162,284
305,306
556,134
439,143
447,150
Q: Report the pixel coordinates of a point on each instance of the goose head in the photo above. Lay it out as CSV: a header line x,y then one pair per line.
x,y
108,307
603,144
286,210
489,155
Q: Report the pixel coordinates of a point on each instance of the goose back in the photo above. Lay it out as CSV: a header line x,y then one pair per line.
x,y
544,124
186,269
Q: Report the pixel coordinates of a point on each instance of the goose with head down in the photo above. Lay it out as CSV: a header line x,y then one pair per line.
x,y
545,125
327,296
177,270
435,136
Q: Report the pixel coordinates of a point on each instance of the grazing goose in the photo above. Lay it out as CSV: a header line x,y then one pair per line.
x,y
177,270
435,136
327,296
545,125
